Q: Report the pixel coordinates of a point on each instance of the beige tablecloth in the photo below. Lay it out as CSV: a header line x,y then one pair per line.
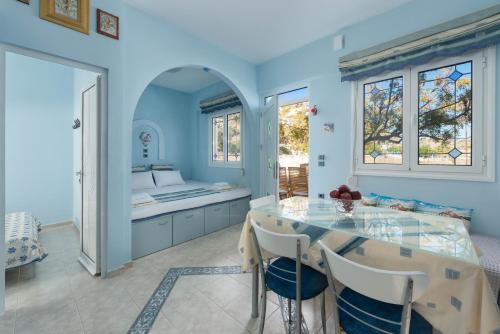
x,y
458,300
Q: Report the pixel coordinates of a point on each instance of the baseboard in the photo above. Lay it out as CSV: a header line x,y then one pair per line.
x,y
57,225
118,271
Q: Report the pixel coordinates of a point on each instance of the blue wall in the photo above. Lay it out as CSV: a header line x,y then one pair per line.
x,y
169,109
39,145
147,48
201,170
316,64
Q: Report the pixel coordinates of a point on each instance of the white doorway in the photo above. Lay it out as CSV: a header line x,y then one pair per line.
x,y
285,143
79,164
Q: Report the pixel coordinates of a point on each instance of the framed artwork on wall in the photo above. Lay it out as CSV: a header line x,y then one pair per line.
x,y
73,14
108,24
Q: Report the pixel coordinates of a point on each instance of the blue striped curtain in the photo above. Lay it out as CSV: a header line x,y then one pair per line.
x,y
220,102
452,38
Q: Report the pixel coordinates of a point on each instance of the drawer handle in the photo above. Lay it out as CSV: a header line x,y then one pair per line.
x,y
190,216
162,224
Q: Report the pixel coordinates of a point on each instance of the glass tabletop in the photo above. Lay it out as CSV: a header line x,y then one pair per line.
x,y
441,235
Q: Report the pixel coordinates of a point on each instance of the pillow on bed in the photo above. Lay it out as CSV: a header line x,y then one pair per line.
x,y
142,181
162,167
136,169
164,178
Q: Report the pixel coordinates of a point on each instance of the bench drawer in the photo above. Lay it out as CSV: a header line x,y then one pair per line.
x,y
216,217
188,225
238,210
152,235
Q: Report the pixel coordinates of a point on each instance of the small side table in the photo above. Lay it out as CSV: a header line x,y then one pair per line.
x,y
490,260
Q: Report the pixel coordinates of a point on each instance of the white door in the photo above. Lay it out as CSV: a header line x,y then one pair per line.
x,y
90,235
269,155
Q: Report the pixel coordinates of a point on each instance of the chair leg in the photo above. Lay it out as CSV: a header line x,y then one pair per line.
x,y
263,310
323,312
289,313
298,315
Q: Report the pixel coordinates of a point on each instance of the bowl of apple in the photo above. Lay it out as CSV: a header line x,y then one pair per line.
x,y
345,200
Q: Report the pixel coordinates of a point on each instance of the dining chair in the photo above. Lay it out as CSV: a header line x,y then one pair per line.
x,y
284,185
298,181
374,300
286,275
258,202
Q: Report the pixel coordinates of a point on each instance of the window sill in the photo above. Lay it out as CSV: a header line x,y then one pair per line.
x,y
225,165
479,177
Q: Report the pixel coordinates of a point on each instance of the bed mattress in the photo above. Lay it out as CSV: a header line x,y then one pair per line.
x,y
22,245
191,195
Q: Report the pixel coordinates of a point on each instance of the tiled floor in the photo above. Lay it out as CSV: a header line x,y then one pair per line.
x,y
59,296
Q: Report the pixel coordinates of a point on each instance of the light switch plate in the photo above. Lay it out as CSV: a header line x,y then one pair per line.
x,y
338,42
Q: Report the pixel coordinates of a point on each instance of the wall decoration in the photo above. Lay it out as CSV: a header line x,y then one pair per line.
x,y
148,143
108,24
73,14
25,1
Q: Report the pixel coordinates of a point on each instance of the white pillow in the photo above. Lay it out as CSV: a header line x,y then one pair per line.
x,y
165,178
142,180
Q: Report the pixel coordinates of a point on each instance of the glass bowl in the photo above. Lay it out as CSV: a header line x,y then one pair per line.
x,y
346,207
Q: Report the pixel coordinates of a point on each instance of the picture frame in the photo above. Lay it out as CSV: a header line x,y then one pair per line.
x,y
72,14
108,24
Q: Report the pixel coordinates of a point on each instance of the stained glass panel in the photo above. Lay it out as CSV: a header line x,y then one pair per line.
x,y
218,138
233,137
445,115
383,122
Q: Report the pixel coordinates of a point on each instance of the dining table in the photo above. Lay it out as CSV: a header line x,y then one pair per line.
x,y
458,299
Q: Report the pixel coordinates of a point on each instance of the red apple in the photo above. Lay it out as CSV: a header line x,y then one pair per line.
x,y
344,189
346,196
334,194
356,195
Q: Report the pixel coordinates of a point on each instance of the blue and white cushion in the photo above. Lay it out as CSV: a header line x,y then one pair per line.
x,y
396,203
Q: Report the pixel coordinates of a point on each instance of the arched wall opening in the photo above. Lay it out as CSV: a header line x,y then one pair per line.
x,y
169,110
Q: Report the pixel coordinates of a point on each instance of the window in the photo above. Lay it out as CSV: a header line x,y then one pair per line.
x,y
225,138
434,120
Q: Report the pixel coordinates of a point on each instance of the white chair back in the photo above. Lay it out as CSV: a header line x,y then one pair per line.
x,y
281,244
271,199
383,285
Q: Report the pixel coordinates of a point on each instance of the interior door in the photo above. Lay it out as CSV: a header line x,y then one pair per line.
x,y
269,126
89,233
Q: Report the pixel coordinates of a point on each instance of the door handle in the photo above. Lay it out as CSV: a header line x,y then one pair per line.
x,y
79,174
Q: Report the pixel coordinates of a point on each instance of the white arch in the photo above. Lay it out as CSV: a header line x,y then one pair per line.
x,y
159,131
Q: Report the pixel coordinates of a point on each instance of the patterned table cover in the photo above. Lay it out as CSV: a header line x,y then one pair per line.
x,y
459,298
21,239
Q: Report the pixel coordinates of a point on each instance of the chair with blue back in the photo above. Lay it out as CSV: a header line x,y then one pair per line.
x,y
374,300
286,275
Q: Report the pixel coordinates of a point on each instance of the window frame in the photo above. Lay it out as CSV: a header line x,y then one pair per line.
x,y
224,113
483,123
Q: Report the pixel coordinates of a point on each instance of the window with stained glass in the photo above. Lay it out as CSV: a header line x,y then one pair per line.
x,y
434,120
383,122
445,115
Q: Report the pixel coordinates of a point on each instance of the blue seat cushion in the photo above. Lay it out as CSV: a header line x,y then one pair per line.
x,y
418,325
280,278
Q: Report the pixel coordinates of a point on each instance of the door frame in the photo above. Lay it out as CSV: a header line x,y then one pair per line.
x,y
275,93
102,155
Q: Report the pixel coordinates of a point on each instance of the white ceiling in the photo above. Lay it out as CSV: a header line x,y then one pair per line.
x,y
258,30
187,79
